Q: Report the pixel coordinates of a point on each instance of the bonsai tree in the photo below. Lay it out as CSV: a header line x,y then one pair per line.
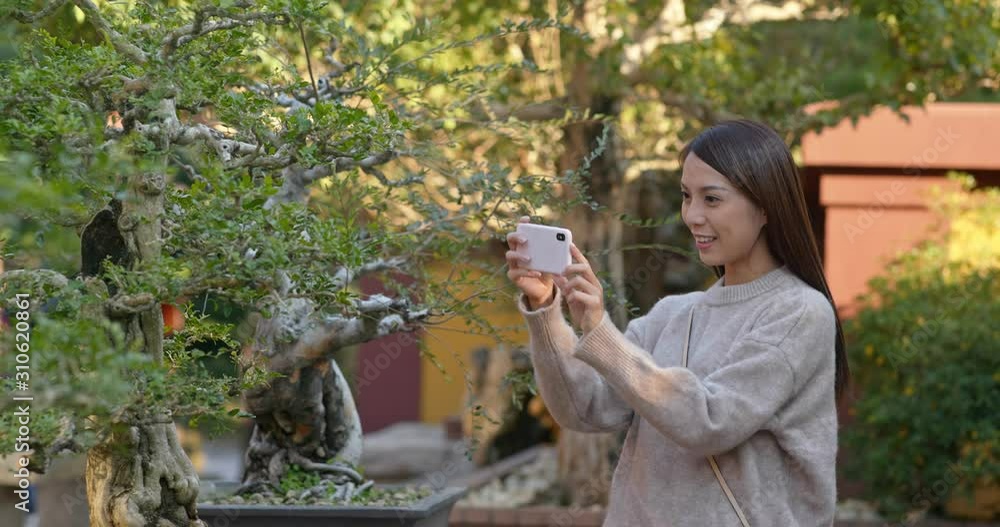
x,y
268,154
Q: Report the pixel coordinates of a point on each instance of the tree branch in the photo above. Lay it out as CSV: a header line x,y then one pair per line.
x,y
45,276
115,38
701,110
295,178
124,306
670,18
27,17
237,154
234,154
199,286
306,99
294,337
65,443
411,180
670,27
539,111
198,28
345,276
309,64
313,466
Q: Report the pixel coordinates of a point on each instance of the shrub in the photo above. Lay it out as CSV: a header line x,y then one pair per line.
x,y
926,367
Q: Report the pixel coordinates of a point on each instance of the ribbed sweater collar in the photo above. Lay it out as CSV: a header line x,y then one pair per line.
x,y
730,294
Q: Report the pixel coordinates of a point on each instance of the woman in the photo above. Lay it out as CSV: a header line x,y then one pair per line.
x,y
746,433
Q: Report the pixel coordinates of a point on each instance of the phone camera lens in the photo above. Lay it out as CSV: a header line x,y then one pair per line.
x,y
561,237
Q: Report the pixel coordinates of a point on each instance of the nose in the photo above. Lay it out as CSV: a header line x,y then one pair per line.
x,y
693,215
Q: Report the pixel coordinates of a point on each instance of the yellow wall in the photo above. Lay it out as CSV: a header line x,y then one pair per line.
x,y
440,397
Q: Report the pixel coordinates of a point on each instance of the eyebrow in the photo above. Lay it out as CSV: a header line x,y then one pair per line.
x,y
708,187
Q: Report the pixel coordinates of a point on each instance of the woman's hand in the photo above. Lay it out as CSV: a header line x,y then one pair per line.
x,y
536,285
582,291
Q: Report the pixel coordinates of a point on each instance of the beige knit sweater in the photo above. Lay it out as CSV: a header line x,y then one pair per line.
x,y
758,393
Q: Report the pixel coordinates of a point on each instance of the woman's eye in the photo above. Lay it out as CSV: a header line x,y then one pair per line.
x,y
684,195
712,199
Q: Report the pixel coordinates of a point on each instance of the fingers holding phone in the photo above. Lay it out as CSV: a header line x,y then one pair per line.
x,y
583,292
581,268
535,284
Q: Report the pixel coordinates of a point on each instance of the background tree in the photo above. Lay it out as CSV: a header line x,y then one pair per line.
x,y
659,71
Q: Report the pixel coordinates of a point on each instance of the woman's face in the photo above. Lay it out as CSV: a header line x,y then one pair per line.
x,y
725,223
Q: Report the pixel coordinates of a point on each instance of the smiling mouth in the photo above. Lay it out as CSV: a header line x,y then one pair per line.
x,y
705,239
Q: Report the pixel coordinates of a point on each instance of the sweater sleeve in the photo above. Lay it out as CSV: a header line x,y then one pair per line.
x,y
575,394
761,372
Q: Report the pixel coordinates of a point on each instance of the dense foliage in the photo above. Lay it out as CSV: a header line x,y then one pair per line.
x,y
927,371
298,145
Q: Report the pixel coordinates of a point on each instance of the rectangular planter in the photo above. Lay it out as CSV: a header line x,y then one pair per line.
x,y
431,511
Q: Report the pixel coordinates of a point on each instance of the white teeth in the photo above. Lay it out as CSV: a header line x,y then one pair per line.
x,y
704,239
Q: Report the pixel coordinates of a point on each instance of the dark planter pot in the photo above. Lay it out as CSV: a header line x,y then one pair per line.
x,y
431,511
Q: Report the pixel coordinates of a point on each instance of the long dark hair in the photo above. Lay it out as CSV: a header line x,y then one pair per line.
x,y
755,159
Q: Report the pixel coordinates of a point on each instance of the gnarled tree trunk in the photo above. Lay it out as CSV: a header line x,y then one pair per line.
x,y
307,418
139,475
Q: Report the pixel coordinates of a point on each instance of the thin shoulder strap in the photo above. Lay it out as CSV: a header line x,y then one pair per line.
x,y
711,459
687,338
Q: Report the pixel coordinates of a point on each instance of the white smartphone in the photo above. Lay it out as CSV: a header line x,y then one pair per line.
x,y
548,247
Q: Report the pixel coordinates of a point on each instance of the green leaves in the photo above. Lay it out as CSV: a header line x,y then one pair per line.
x,y
226,236
333,129
79,367
920,352
229,117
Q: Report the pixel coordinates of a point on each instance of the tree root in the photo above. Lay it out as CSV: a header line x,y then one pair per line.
x,y
313,466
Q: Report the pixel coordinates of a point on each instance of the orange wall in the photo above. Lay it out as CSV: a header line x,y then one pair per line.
x,y
442,394
869,220
938,136
874,176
